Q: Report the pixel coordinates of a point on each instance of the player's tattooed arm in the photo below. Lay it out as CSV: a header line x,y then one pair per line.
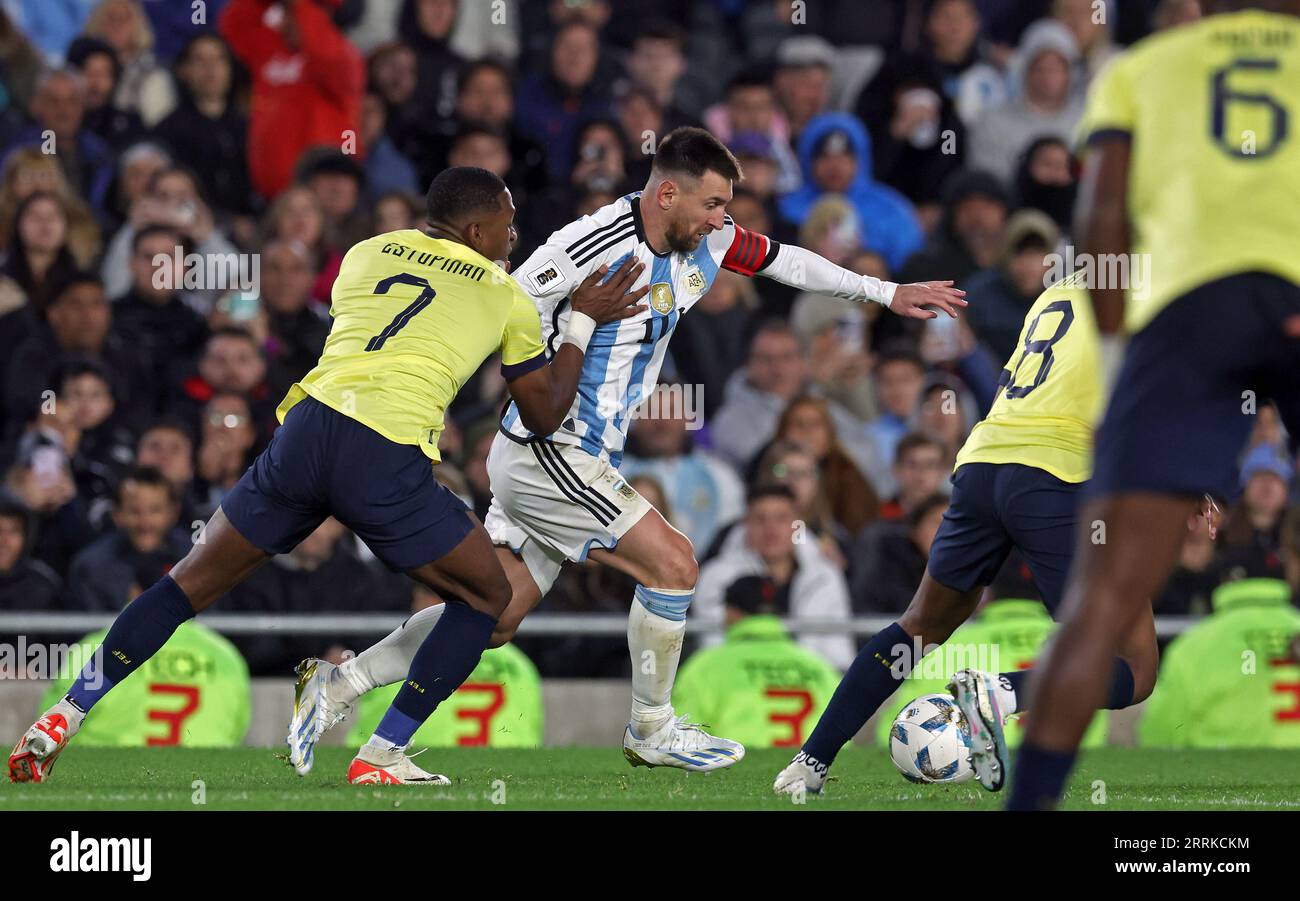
x,y
545,395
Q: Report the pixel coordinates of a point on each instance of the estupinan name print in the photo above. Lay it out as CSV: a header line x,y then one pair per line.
x,y
103,855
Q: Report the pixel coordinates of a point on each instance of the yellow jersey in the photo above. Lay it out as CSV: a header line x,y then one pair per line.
x,y
1050,394
1212,110
414,317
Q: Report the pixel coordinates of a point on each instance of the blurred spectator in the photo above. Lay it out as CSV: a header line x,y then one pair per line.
x,y
1047,102
174,200
227,437
704,492
101,72
77,328
386,170
1090,24
1000,297
1191,584
27,171
919,472
39,262
145,544
775,373
58,109
136,167
1046,181
770,543
232,363
144,87
25,583
487,97
207,132
750,109
802,84
151,317
899,376
397,211
969,236
297,215
946,413
1251,535
41,479
758,685
339,183
551,104
307,83
835,155
656,64
391,72
852,503
167,446
425,26
950,59
834,337
295,332
891,558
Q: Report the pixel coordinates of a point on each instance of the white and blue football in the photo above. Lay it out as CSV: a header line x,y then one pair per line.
x,y
930,741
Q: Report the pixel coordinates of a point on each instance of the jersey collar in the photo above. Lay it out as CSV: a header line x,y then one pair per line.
x,y
640,227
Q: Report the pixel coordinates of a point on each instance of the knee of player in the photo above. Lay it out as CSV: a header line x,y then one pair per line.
x,y
677,568
496,600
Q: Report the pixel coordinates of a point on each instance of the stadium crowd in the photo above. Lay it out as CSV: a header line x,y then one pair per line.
x,y
179,182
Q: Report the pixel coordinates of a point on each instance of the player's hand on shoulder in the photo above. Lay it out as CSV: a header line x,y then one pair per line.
x,y
613,300
912,300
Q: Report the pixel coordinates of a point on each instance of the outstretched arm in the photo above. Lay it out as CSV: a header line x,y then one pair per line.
x,y
754,254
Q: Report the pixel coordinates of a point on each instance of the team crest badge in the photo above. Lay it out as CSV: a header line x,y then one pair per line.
x,y
626,491
695,282
661,297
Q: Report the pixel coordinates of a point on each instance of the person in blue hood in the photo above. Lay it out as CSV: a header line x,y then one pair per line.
x,y
835,156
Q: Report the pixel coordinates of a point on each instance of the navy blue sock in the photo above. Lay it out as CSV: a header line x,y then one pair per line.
x,y
135,636
1119,696
868,684
445,659
1039,778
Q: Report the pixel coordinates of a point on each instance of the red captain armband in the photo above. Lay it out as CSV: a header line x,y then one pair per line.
x,y
749,252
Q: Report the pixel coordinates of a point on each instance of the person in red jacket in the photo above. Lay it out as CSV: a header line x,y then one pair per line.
x,y
308,82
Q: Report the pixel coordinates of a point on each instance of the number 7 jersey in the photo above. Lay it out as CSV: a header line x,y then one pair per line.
x,y
1049,394
414,317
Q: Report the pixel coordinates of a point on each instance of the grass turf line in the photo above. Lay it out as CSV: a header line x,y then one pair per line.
x,y
599,779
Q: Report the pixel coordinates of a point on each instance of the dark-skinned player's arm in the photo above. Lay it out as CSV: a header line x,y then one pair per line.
x,y
752,253
1104,228
545,394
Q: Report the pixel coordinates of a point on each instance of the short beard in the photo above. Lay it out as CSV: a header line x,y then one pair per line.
x,y
680,240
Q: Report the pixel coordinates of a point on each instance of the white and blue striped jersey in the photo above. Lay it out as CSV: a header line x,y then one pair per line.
x,y
623,359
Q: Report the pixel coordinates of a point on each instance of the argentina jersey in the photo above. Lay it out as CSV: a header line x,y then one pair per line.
x,y
623,359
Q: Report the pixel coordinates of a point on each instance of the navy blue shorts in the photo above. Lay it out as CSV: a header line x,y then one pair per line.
x,y
998,506
321,463
1183,402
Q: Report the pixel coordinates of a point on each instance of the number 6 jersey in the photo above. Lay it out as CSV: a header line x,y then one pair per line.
x,y
414,317
1049,394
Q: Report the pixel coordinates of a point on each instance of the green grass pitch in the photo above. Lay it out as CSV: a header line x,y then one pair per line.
x,y
599,779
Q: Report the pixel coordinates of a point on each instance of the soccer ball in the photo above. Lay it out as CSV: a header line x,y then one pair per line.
x,y
930,741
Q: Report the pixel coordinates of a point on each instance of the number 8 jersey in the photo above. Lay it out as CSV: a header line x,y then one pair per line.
x,y
414,317
1049,394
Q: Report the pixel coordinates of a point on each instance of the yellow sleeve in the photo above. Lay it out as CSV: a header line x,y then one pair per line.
x,y
522,350
1110,108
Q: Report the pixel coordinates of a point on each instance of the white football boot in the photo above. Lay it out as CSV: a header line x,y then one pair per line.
x,y
34,756
314,713
390,767
976,694
804,774
683,745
